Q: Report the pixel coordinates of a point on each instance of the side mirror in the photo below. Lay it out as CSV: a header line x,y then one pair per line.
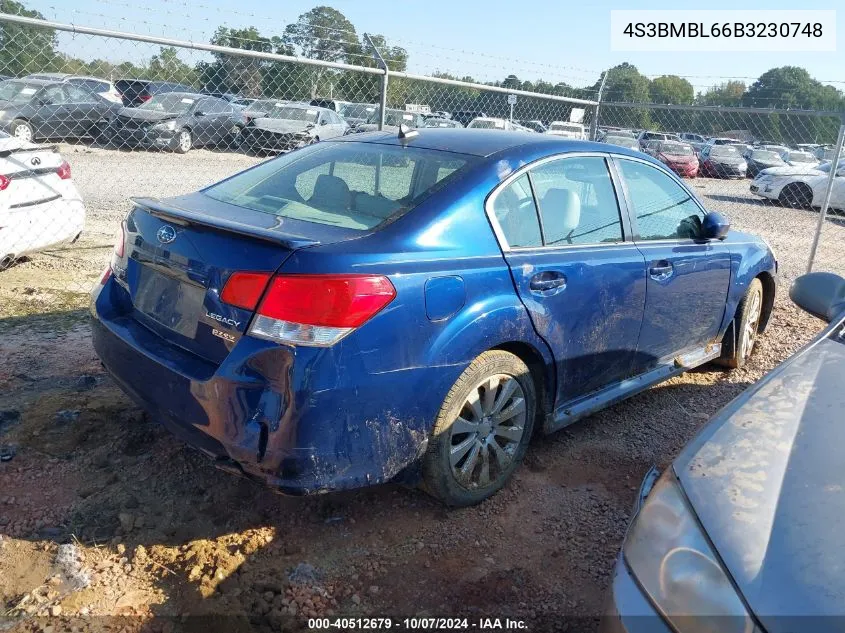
x,y
324,122
199,113
715,226
820,294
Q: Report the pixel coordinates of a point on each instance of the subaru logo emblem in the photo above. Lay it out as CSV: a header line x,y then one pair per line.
x,y
166,234
36,161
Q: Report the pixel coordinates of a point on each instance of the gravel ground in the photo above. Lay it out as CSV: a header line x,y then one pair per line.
x,y
102,513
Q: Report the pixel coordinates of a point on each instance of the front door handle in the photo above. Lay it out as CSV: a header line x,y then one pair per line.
x,y
549,282
660,271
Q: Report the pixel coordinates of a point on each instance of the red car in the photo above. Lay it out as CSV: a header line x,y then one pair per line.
x,y
679,157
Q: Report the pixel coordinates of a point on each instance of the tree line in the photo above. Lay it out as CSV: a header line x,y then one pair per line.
x,y
325,34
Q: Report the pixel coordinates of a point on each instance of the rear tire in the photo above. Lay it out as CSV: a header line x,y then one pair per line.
x,y
736,349
482,431
796,195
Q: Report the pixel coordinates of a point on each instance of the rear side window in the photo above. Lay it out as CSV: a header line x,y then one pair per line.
x,y
664,210
516,214
577,201
350,185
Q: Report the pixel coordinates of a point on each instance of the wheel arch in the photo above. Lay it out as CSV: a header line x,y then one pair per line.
x,y
541,372
769,290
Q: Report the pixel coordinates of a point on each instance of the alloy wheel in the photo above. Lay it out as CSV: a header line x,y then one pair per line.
x,y
749,332
184,140
23,132
487,432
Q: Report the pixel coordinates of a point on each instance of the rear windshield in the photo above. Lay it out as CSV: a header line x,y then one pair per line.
x,y
622,141
349,185
487,124
357,110
799,157
565,127
17,91
724,150
288,113
174,103
676,149
758,154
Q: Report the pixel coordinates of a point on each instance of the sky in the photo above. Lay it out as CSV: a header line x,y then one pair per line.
x,y
530,38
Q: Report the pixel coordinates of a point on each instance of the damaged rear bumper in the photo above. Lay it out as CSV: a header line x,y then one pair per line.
x,y
301,420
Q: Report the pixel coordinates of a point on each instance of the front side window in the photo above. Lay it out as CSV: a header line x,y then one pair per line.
x,y
349,185
577,201
664,210
517,215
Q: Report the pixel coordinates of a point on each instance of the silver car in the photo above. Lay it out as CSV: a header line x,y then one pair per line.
x,y
744,531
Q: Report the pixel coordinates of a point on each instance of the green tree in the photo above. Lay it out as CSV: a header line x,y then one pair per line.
x,y
792,87
24,49
167,66
625,84
235,73
671,89
725,94
326,34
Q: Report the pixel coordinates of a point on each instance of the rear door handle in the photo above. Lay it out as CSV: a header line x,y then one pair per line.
x,y
548,281
661,270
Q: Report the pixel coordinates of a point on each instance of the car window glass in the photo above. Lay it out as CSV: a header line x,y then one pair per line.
x,y
53,95
577,201
218,106
516,213
75,94
664,209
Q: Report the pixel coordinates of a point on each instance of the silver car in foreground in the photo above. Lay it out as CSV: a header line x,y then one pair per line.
x,y
744,532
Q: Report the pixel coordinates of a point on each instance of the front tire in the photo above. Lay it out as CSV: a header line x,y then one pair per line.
x,y
796,195
184,142
482,431
736,350
22,130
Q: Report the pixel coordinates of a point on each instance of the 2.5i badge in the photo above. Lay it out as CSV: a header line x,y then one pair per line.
x,y
224,335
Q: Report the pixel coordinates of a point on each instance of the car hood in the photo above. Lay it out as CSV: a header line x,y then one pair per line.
x,y
148,115
284,126
766,481
789,170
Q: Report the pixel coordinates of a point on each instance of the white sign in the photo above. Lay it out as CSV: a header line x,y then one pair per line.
x,y
511,99
722,30
576,115
418,108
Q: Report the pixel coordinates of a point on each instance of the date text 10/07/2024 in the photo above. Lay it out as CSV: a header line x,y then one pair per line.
x,y
423,624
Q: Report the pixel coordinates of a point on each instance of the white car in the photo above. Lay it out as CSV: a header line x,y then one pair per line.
x,y
800,186
568,130
40,206
101,87
490,123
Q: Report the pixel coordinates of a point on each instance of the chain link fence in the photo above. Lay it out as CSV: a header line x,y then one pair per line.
x,y
164,117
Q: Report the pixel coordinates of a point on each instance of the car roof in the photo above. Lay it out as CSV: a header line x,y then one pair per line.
x,y
191,95
36,82
484,142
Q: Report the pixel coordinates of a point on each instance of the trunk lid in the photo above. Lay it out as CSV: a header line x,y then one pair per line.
x,y
179,253
31,170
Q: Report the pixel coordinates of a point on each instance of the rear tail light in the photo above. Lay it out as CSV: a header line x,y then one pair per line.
x,y
4,182
245,289
64,170
145,98
118,243
319,310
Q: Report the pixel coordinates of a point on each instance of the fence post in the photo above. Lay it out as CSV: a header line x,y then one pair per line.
x,y
834,165
595,125
383,65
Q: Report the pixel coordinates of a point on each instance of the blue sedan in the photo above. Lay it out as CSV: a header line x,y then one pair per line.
x,y
413,307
